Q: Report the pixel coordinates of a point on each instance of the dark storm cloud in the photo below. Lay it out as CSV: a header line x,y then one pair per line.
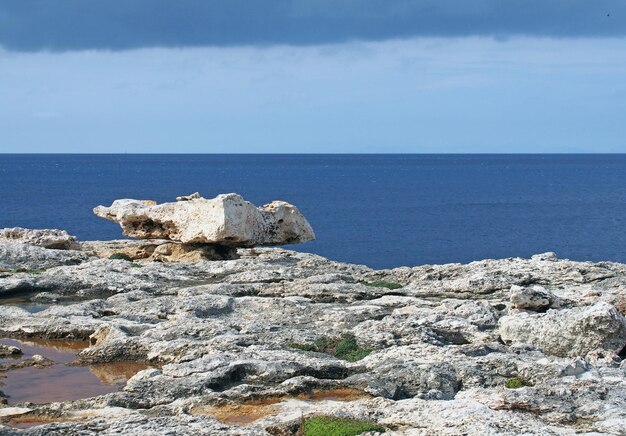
x,y
30,25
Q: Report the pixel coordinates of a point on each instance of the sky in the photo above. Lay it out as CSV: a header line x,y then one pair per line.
x,y
312,76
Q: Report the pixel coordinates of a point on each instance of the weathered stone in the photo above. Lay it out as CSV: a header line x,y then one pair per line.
x,y
224,220
550,256
568,332
237,331
193,196
160,251
9,351
18,256
46,238
535,298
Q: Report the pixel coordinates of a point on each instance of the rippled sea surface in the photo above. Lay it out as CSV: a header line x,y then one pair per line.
x,y
379,210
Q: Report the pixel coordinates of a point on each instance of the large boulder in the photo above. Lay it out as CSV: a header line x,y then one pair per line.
x,y
46,238
226,220
568,332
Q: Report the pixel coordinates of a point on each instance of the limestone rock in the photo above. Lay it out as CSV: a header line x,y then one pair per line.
x,y
550,256
22,256
46,238
535,298
193,196
160,251
224,220
9,351
568,332
241,331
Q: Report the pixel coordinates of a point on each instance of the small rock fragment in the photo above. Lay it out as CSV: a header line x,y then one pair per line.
x,y
536,298
548,256
9,351
193,196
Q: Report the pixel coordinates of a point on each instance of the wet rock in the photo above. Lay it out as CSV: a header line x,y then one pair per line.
x,y
36,361
9,351
568,332
46,238
226,220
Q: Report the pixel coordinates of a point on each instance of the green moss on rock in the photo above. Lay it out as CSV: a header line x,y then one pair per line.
x,y
120,256
335,426
343,347
515,383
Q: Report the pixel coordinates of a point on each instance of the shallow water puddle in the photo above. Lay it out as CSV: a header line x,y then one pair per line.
x,y
249,411
23,301
28,422
61,382
239,414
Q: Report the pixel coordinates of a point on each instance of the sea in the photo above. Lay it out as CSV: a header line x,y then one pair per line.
x,y
380,210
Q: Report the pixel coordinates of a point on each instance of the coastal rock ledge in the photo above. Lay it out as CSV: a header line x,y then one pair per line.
x,y
226,220
258,344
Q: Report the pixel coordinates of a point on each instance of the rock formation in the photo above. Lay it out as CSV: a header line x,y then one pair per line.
x,y
46,238
226,220
568,332
471,349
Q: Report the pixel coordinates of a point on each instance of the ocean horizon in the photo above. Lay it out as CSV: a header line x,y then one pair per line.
x,y
381,210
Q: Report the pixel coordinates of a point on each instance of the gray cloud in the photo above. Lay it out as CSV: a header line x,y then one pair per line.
x,y
32,25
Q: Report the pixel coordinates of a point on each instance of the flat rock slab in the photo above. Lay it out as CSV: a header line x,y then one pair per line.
x,y
226,220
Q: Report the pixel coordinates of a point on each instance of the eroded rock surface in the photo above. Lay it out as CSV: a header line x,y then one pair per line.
x,y
437,343
224,220
569,332
46,238
22,256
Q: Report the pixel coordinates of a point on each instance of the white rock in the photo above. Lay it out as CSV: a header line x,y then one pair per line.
x,y
13,411
549,256
47,238
535,298
569,332
225,220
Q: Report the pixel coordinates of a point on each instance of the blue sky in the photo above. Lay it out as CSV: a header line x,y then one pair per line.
x,y
313,76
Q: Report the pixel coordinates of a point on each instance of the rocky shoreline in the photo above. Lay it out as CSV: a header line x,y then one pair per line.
x,y
251,343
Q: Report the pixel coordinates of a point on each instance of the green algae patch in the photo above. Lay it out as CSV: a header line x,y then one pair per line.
x,y
343,347
120,256
515,383
27,271
332,425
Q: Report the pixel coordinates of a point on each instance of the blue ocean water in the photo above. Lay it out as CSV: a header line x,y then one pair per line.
x,y
378,210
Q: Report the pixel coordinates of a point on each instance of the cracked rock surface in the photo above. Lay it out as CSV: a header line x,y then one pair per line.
x,y
443,341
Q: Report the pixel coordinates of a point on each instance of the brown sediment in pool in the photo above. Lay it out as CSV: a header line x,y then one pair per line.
x,y
247,412
28,421
239,414
62,381
345,394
